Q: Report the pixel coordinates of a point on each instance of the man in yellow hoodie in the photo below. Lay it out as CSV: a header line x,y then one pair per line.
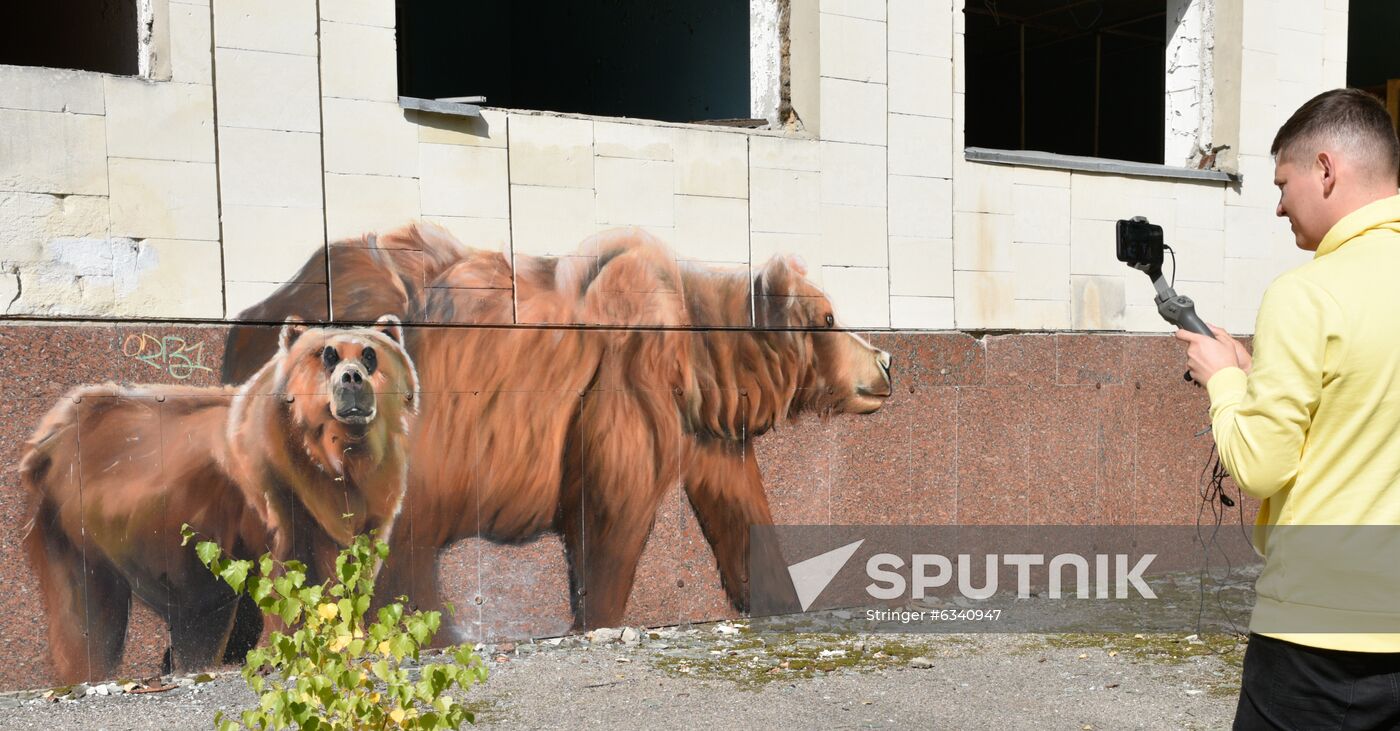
x,y
1310,425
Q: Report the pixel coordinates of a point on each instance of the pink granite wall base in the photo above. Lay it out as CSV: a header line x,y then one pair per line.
x,y
1017,429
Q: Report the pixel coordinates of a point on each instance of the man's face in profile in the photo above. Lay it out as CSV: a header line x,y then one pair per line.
x,y
1300,201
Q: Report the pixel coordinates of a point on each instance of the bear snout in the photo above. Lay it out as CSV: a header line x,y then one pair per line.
x,y
884,386
352,396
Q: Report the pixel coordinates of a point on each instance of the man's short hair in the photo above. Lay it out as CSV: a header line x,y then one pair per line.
x,y
1348,118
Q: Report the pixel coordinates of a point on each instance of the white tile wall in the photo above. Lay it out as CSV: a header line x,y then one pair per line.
x,y
898,228
852,48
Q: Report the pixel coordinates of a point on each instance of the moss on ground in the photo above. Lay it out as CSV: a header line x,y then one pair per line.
x,y
757,660
754,660
1164,649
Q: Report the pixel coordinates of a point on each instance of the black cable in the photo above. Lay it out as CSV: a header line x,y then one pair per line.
x,y
1215,499
1173,253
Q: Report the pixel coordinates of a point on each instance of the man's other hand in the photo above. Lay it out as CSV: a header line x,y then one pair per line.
x,y
1205,356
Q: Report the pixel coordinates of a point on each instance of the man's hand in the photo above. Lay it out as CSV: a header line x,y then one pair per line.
x,y
1205,356
1246,361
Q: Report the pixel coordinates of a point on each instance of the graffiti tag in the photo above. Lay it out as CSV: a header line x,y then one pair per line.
x,y
169,353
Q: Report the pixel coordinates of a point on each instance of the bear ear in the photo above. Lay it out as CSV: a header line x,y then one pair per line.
x,y
774,279
772,291
291,330
391,327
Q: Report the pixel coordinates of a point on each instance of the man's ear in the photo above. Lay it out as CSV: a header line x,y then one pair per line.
x,y
292,329
391,327
1327,168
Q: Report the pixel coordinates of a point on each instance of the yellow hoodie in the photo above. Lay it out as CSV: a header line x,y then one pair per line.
x,y
1314,432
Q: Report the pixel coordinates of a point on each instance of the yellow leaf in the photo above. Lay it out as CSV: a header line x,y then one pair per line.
x,y
383,648
397,715
328,611
340,643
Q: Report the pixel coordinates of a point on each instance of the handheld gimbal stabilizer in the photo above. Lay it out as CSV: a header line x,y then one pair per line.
x,y
1140,246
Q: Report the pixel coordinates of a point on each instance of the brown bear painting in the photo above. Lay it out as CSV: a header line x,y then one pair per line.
x,y
580,431
306,454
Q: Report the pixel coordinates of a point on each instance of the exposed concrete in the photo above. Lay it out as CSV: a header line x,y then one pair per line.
x,y
765,60
78,276
153,39
1190,81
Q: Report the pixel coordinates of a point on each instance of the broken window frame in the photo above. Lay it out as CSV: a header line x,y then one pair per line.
x,y
770,105
152,44
1211,146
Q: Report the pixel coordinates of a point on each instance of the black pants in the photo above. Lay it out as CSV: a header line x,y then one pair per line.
x,y
1290,686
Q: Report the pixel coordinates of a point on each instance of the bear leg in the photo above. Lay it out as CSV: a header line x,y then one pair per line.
x,y
87,611
199,630
604,544
246,631
412,572
725,489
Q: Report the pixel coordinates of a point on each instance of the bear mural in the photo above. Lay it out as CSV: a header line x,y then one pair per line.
x,y
455,393
307,453
580,431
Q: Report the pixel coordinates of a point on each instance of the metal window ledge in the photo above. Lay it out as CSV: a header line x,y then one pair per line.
x,y
1033,158
456,109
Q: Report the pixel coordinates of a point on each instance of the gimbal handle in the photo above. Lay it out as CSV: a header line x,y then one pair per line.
x,y
1178,309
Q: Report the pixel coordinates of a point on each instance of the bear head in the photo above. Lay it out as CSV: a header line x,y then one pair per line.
x,y
349,390
836,371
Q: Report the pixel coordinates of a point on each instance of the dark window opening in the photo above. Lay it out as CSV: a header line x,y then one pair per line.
x,y
669,60
1079,78
1373,58
90,35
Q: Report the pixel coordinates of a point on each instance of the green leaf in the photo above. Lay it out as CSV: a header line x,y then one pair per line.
x,y
207,551
186,533
418,628
290,611
235,574
391,614
259,588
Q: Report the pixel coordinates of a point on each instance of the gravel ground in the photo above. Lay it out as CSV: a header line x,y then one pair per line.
x,y
728,675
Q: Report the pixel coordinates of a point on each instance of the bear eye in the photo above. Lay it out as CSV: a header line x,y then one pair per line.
x,y
330,357
830,320
370,359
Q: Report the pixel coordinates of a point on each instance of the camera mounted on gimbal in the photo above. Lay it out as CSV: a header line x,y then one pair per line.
x,y
1141,247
